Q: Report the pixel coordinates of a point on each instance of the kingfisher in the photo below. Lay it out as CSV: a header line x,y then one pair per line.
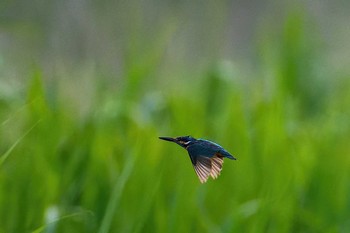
x,y
206,156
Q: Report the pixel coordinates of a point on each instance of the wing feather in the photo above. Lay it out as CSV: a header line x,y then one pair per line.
x,y
203,168
216,162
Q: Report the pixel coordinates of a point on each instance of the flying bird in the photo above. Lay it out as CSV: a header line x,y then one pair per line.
x,y
206,156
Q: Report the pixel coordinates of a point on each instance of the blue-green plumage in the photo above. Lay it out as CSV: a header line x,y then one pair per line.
x,y
206,156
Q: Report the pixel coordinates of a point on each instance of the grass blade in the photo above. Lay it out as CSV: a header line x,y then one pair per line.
x,y
8,152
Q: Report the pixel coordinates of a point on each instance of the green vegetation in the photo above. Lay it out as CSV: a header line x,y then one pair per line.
x,y
65,167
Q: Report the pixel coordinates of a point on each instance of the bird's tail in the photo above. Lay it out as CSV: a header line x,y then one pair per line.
x,y
231,157
228,155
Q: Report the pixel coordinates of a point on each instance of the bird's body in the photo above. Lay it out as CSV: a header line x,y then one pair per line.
x,y
206,156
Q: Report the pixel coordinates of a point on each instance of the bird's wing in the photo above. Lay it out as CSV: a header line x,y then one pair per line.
x,y
205,167
216,165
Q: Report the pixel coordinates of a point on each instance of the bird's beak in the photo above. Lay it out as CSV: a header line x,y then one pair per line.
x,y
168,139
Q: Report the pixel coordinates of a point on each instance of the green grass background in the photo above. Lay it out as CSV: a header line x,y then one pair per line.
x,y
79,128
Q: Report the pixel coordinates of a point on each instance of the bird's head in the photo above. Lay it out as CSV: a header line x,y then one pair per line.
x,y
183,141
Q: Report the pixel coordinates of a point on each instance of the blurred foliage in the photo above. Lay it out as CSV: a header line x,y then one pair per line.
x,y
79,142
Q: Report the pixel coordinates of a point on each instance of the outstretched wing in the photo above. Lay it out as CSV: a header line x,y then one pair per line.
x,y
202,166
216,166
205,167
